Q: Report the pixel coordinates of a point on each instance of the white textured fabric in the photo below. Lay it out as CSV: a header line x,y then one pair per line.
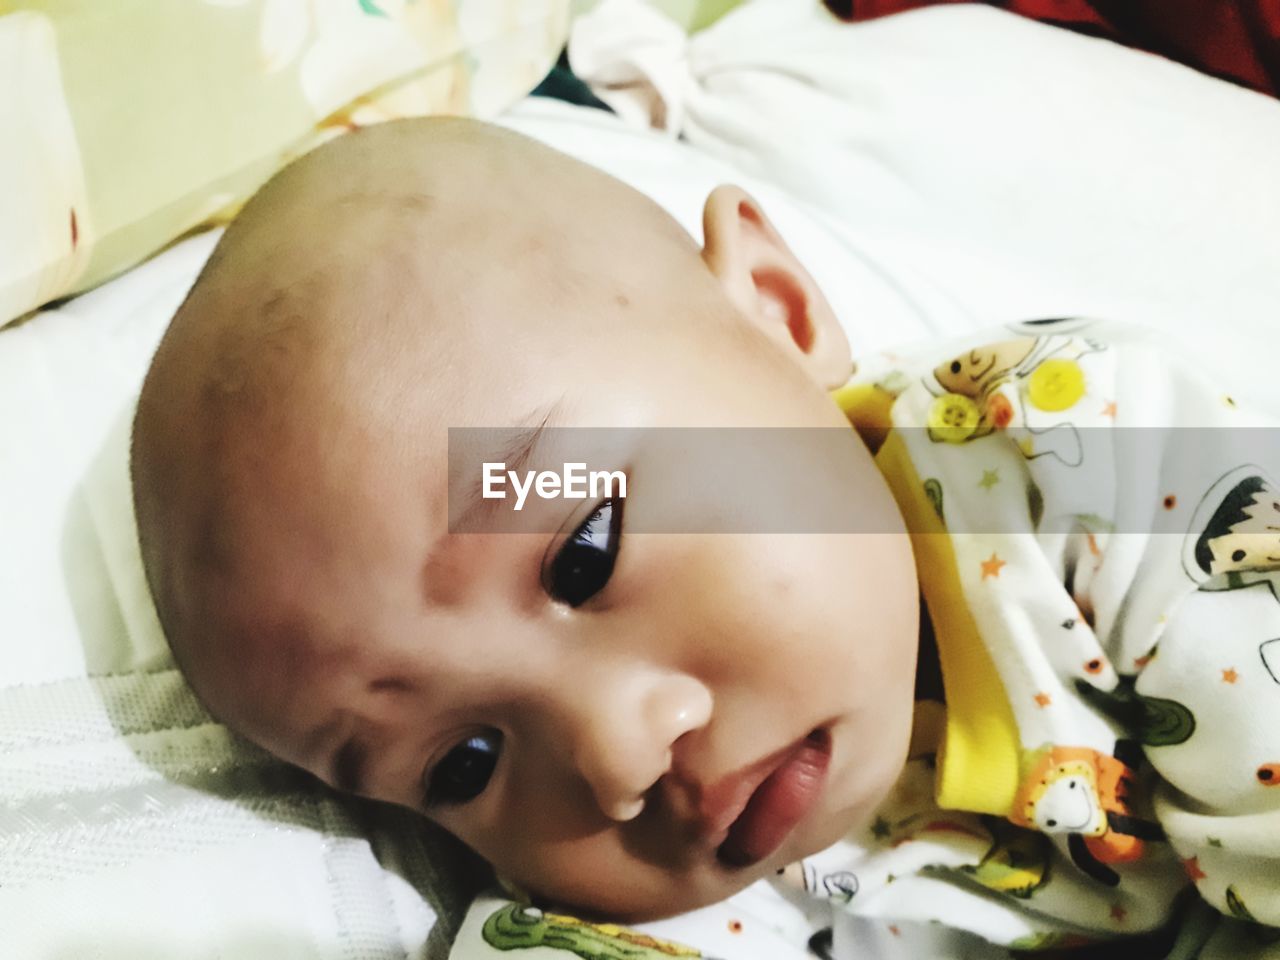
x,y
130,824
996,169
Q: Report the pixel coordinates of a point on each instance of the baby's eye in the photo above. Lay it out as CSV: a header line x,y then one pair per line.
x,y
465,771
585,562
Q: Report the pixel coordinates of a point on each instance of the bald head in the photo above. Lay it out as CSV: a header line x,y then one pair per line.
x,y
290,447
291,479
397,273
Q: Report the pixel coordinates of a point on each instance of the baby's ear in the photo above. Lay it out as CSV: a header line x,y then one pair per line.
x,y
770,287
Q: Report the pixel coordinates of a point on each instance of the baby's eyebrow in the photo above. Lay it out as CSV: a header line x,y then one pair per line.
x,y
519,445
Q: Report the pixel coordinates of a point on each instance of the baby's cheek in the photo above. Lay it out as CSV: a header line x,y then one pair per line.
x,y
566,874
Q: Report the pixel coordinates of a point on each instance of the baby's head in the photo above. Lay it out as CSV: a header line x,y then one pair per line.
x,y
593,725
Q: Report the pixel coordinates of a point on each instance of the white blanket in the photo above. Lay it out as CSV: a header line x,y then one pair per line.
x,y
990,167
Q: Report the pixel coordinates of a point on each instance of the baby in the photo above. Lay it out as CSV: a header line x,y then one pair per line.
x,y
638,723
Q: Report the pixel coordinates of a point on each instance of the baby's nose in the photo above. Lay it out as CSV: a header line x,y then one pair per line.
x,y
628,733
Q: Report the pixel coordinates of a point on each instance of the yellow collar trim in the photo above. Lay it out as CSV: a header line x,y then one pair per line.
x,y
978,758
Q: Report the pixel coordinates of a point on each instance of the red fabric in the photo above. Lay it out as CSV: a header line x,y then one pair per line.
x,y
1237,40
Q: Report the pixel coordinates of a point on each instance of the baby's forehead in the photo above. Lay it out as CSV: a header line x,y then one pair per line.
x,y
363,303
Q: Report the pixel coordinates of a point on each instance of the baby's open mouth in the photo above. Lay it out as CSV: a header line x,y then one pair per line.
x,y
779,803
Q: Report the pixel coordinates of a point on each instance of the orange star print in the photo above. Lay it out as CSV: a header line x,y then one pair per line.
x,y
991,567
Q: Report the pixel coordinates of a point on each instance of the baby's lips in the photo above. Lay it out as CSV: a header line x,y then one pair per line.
x,y
719,805
780,802
719,815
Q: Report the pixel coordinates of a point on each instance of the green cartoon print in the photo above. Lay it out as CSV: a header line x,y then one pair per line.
x,y
1236,907
518,926
933,490
1035,943
1152,721
1017,862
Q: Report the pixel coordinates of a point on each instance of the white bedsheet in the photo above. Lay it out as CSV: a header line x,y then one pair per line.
x,y
131,826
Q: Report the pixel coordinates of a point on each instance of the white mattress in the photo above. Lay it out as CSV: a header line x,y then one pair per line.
x,y
131,826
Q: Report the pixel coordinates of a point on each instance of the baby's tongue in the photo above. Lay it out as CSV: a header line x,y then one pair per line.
x,y
778,804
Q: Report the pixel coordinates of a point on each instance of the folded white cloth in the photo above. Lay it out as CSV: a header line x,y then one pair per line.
x,y
993,168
